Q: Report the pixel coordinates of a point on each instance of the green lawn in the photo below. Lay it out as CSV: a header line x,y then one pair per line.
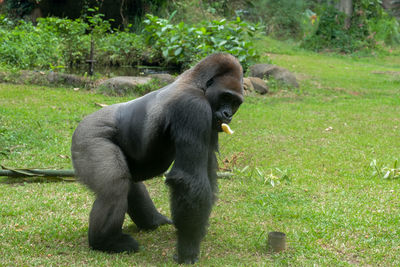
x,y
324,134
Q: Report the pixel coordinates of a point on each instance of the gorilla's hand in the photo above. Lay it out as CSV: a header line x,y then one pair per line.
x,y
157,221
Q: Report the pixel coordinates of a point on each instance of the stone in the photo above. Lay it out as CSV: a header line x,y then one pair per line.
x,y
44,78
278,73
247,86
122,85
68,79
259,85
163,77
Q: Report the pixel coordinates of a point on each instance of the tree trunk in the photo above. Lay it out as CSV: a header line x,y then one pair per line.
x,y
387,4
346,6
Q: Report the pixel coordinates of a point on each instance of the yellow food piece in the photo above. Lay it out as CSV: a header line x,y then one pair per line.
x,y
226,129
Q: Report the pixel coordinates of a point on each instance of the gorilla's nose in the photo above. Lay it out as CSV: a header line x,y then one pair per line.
x,y
227,117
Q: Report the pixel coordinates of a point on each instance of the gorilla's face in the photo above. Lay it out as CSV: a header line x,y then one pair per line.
x,y
225,95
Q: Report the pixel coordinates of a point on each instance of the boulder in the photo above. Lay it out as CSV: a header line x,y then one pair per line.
x,y
163,77
68,79
278,73
28,77
247,86
45,78
122,85
259,85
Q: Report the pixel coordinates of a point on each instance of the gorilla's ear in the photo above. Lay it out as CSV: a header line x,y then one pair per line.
x,y
209,82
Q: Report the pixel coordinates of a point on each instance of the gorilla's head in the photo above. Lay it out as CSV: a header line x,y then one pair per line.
x,y
225,95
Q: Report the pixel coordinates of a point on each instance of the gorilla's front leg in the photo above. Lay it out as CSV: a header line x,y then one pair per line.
x,y
141,208
191,203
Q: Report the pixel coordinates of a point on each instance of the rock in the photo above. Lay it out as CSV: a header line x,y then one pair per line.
x,y
3,76
247,86
69,79
278,73
29,77
259,70
163,77
44,78
259,85
122,85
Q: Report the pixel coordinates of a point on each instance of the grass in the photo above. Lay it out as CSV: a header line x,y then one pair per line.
x,y
334,212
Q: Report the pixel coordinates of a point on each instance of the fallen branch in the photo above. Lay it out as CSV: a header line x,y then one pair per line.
x,y
35,172
59,173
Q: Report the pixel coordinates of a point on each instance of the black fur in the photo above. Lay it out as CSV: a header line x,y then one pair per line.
x,y
118,147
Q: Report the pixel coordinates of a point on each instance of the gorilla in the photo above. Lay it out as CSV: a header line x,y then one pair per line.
x,y
119,146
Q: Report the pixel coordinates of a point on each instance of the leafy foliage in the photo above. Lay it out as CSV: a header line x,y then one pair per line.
x,y
71,35
65,42
369,24
182,44
28,46
283,19
386,30
331,33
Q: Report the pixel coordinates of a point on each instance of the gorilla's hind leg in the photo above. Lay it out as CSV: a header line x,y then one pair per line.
x,y
105,226
141,208
102,166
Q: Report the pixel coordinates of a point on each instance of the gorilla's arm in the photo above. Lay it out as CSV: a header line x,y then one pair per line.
x,y
191,190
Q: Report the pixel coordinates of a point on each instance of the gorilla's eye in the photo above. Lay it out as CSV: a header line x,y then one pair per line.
x,y
209,82
230,98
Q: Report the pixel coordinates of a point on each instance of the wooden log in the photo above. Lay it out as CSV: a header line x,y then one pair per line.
x,y
37,173
60,173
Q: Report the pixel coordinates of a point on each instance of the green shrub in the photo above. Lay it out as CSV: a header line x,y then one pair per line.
x,y
26,46
58,43
283,18
75,44
331,33
369,24
180,44
386,30
120,48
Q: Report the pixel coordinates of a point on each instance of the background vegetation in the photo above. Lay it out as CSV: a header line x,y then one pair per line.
x,y
172,37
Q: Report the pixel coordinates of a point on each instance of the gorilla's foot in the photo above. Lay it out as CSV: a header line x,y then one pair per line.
x,y
157,220
115,244
186,260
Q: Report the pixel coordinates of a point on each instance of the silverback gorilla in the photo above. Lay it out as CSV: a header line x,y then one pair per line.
x,y
116,148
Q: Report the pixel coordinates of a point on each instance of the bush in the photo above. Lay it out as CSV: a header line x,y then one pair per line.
x,y
180,45
331,33
75,44
58,43
283,19
26,46
386,30
369,24
121,48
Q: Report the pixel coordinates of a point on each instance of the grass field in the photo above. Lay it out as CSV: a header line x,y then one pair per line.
x,y
323,135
